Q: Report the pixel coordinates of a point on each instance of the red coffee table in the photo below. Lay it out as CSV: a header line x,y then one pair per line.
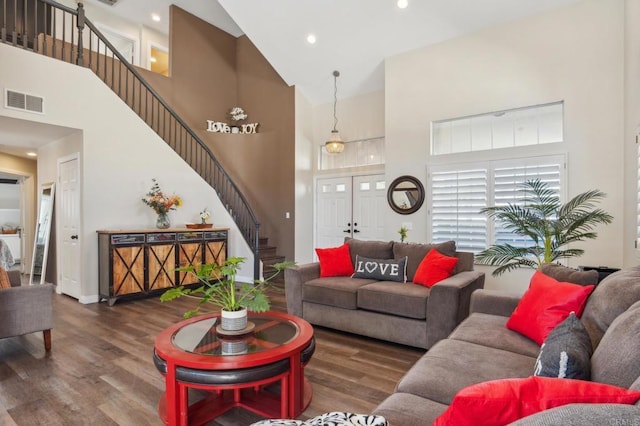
x,y
234,368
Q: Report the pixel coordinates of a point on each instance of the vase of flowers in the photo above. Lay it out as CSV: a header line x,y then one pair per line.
x,y
204,216
161,204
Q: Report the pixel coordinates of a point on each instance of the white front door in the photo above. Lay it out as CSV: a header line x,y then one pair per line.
x,y
69,226
351,206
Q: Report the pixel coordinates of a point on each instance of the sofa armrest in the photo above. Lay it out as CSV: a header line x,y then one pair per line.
x,y
26,309
448,304
494,302
294,278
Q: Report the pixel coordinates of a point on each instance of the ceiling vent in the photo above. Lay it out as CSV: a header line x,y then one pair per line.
x,y
23,101
109,2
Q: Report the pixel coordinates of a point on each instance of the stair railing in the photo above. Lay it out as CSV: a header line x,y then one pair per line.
x,y
57,31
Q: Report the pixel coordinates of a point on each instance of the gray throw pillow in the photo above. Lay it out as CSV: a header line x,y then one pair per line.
x,y
566,353
570,275
381,269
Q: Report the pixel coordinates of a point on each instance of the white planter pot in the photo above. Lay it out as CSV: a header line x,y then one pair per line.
x,y
234,320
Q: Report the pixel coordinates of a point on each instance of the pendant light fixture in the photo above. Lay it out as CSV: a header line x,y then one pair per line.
x,y
335,145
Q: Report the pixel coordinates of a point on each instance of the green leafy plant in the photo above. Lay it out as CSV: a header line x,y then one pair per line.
x,y
550,225
404,232
220,288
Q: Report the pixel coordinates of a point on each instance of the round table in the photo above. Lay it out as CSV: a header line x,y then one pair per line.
x,y
191,354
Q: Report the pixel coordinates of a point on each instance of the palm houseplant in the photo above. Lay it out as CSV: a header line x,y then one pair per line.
x,y
220,288
548,225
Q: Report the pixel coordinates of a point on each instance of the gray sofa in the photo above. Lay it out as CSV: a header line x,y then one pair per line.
x,y
26,309
404,313
481,348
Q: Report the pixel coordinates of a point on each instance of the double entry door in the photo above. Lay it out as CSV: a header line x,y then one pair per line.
x,y
351,206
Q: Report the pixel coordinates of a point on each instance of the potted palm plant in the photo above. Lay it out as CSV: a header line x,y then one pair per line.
x,y
220,288
549,224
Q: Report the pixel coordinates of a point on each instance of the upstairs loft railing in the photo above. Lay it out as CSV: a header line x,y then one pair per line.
x,y
57,31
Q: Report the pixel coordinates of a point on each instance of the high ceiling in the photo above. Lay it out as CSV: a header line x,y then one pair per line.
x,y
353,36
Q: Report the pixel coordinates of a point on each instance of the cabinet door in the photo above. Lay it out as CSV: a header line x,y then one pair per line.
x,y
215,252
128,270
189,254
161,264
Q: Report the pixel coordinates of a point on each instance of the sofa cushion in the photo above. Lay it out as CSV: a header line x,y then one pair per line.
x,y
381,269
402,299
570,275
611,297
500,402
616,360
434,268
566,353
370,249
335,291
409,410
335,261
490,330
451,365
584,414
417,252
545,304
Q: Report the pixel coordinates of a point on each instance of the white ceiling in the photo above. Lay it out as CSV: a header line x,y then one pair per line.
x,y
353,36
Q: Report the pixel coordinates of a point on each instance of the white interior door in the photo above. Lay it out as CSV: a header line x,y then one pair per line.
x,y
369,203
350,206
333,211
69,225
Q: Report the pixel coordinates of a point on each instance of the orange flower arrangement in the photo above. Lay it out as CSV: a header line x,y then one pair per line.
x,y
160,203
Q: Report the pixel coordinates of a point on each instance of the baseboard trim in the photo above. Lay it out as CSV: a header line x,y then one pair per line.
x,y
86,300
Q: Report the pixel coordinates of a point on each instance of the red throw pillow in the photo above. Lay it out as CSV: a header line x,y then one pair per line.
x,y
434,268
501,402
335,262
546,304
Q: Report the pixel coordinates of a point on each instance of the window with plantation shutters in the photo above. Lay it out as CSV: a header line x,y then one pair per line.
x,y
458,193
457,196
508,179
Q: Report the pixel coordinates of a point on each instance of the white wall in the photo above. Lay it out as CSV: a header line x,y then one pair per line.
x,y
304,166
574,54
119,156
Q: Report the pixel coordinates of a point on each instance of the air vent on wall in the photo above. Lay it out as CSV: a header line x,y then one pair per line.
x,y
109,2
23,101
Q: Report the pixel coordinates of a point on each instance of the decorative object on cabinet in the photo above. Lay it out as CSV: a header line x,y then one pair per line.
x,y
161,204
145,262
43,231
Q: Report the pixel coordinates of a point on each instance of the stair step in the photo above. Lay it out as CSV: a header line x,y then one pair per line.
x,y
270,260
267,251
263,241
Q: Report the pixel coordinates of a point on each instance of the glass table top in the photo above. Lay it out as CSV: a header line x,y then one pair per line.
x,y
201,338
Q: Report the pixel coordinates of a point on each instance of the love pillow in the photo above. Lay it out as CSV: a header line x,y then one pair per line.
x,y
381,269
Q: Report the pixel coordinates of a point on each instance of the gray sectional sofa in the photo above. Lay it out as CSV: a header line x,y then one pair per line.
x,y
404,313
481,348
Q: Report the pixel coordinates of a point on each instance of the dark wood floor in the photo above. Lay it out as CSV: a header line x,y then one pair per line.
x,y
100,370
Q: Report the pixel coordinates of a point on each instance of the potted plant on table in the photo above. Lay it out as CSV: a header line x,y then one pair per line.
x,y
549,224
220,288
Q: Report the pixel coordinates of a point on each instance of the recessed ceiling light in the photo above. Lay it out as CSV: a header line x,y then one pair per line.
x,y
402,4
311,39
155,17
32,154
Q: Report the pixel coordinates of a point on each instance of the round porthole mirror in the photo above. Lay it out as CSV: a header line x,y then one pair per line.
x,y
405,195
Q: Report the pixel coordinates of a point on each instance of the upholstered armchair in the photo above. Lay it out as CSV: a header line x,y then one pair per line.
x,y
26,309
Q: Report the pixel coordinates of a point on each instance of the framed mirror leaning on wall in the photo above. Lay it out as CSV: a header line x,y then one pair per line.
x,y
405,195
43,231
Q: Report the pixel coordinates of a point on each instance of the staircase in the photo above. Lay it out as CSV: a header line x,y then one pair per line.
x,y
269,257
57,31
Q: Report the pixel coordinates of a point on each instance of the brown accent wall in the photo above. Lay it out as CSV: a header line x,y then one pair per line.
x,y
211,72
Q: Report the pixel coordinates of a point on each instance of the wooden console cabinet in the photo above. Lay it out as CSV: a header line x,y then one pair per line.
x,y
143,262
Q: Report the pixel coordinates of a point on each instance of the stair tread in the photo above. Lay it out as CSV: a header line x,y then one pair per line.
x,y
274,257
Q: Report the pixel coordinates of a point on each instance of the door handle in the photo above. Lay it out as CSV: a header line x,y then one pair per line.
x,y
347,230
355,231
74,237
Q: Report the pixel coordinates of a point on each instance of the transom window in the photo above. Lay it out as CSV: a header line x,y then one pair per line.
x,y
532,125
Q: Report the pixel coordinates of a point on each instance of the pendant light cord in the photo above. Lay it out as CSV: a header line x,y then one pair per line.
x,y
336,74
